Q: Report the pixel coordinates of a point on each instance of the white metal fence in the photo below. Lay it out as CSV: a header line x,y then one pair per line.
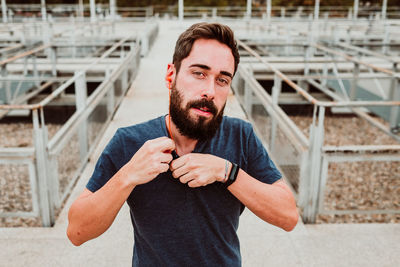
x,y
308,161
48,164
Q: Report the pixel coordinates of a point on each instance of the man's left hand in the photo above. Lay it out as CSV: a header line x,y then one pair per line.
x,y
198,169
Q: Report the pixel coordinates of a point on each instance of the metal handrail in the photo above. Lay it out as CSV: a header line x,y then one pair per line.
x,y
65,85
309,97
355,60
24,54
55,142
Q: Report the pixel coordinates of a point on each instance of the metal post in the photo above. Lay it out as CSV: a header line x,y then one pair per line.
x,y
4,10
81,96
53,59
180,10
80,10
314,165
325,74
92,11
46,212
395,110
248,99
248,10
110,95
276,91
35,70
307,57
268,10
353,89
73,37
384,8
316,10
112,9
386,40
6,84
43,9
355,15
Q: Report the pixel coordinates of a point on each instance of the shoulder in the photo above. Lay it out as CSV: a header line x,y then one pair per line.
x,y
236,125
143,131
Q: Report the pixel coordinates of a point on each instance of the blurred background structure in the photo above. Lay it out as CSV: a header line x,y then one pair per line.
x,y
319,81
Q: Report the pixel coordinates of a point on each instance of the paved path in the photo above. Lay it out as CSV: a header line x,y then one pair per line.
x,y
262,244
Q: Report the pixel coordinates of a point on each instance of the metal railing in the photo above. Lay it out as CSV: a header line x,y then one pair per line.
x,y
51,176
18,12
309,159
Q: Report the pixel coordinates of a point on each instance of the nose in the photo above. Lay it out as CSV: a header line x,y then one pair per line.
x,y
208,90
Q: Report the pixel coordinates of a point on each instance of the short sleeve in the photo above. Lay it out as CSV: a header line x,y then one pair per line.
x,y
105,167
260,165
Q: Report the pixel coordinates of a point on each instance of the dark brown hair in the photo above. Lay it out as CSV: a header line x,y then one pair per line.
x,y
203,30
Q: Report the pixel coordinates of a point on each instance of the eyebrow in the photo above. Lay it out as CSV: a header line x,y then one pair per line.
x,y
202,66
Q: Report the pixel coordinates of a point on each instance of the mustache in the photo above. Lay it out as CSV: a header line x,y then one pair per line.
x,y
209,104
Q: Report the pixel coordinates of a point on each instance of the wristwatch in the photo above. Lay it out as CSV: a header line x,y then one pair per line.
x,y
232,175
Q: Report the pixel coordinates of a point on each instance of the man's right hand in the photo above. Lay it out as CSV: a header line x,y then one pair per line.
x,y
149,161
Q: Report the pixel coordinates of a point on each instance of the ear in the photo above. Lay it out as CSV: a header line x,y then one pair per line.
x,y
170,75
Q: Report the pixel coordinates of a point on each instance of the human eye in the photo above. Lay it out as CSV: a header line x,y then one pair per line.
x,y
223,81
198,74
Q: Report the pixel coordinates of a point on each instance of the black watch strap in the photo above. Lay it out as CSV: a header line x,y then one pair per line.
x,y
232,175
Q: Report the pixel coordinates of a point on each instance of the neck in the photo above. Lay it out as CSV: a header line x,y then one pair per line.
x,y
183,143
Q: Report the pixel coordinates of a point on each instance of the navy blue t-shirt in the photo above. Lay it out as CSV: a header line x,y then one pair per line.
x,y
175,225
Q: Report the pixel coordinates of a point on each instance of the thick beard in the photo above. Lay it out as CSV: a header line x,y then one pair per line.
x,y
198,129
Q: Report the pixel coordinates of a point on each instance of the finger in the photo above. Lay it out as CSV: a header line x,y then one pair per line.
x,y
179,162
194,183
164,167
167,144
179,173
166,158
184,179
163,144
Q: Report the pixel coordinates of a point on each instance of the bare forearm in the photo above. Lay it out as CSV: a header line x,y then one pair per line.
x,y
274,203
92,214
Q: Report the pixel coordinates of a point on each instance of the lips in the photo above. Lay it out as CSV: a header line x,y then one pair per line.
x,y
202,112
204,106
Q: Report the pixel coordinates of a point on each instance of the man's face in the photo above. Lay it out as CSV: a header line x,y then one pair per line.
x,y
201,88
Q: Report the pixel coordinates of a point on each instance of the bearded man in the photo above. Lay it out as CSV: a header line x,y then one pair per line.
x,y
187,176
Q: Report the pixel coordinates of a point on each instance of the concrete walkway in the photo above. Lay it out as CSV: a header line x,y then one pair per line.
x,y
262,244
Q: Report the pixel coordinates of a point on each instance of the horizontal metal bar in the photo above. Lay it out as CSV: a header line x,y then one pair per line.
x,y
18,152
344,212
362,149
9,48
360,157
24,54
349,76
365,51
22,214
48,79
